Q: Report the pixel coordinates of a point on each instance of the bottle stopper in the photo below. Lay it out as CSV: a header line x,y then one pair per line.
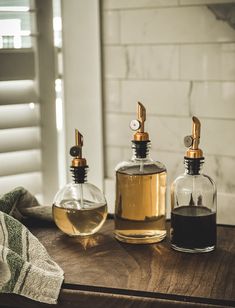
x,y
79,164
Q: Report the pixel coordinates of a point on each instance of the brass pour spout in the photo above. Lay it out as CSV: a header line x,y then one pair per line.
x,y
141,135
79,142
76,151
196,130
141,112
193,141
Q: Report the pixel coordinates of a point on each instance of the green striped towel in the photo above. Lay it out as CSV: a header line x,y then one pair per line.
x,y
25,266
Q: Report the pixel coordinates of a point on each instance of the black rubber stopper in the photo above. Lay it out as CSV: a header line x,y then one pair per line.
x,y
141,148
79,174
193,165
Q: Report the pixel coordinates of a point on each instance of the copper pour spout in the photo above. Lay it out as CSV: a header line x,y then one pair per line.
x,y
79,141
192,142
141,112
196,133
76,151
141,135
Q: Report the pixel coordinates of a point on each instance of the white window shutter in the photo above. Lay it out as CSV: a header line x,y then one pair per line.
x,y
28,137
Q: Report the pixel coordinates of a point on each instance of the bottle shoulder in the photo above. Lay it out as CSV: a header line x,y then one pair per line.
x,y
196,181
75,191
141,166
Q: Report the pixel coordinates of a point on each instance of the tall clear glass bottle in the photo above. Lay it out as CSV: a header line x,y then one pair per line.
x,y
140,192
193,202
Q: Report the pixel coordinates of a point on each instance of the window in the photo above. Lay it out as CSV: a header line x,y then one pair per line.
x,y
28,134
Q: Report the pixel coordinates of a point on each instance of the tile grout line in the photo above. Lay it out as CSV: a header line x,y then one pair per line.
x,y
170,80
123,113
164,7
157,44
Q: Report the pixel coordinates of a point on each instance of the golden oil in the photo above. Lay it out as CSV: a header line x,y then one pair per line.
x,y
140,207
79,221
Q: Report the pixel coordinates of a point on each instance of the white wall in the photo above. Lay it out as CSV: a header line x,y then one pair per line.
x,y
176,58
82,82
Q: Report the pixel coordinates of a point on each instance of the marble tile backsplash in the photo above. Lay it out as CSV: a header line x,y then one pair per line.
x,y
179,60
208,61
152,62
173,25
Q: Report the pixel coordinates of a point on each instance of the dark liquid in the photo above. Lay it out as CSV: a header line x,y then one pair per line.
x,y
193,227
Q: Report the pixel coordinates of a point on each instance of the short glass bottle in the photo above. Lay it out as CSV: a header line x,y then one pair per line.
x,y
79,208
140,195
193,208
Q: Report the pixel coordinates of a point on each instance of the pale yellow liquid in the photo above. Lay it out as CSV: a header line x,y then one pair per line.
x,y
140,207
79,222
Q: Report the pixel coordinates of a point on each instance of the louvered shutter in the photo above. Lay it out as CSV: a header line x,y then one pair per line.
x,y
27,100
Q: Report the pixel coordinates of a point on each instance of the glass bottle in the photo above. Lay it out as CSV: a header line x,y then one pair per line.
x,y
193,202
140,192
79,208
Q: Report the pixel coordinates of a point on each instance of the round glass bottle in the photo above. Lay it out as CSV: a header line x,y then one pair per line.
x,y
193,202
140,194
79,208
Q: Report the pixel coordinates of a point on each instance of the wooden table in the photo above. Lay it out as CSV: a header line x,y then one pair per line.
x,y
102,272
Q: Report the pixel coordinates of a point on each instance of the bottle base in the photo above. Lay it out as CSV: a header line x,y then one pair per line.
x,y
193,250
147,238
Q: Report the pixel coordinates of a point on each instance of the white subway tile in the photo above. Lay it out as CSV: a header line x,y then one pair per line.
x,y
217,137
228,62
153,62
221,170
173,25
159,97
213,99
114,62
205,2
112,95
207,62
126,4
167,133
117,130
110,27
226,209
112,158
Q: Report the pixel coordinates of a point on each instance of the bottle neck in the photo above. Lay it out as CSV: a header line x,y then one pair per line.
x,y
193,166
141,150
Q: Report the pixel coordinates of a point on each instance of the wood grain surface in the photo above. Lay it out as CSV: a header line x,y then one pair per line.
x,y
102,272
101,263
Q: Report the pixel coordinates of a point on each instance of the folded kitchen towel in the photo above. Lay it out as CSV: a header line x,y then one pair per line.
x,y
25,266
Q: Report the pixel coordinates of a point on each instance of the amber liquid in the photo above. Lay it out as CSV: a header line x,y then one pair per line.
x,y
140,207
79,222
